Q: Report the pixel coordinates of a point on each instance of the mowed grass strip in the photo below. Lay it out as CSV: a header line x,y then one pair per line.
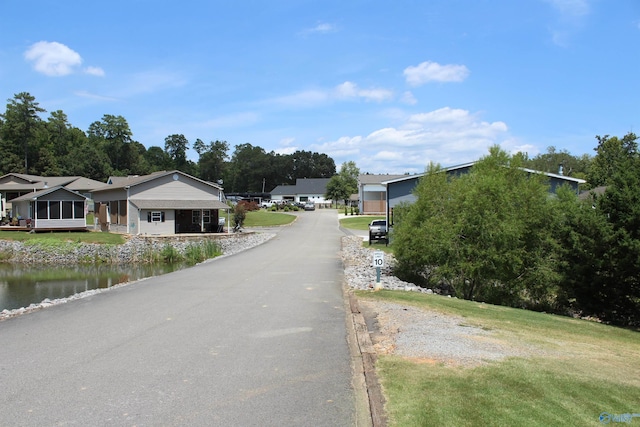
x,y
75,237
359,222
264,218
574,371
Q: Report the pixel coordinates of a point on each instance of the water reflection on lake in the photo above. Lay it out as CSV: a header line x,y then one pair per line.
x,y
22,285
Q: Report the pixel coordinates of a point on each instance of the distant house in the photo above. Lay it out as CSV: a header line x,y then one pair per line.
x,y
304,190
56,208
400,190
372,193
14,185
162,203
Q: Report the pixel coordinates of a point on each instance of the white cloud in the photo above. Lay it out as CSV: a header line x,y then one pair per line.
x,y
571,8
408,98
85,94
428,71
320,28
287,146
53,58
447,136
571,16
344,91
377,95
286,150
306,98
349,90
94,71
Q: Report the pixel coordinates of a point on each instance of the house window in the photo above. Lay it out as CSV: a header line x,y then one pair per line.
x,y
54,209
42,211
67,209
155,216
78,210
206,216
195,217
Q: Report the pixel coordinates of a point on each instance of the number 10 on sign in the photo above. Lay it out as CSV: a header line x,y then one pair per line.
x,y
378,259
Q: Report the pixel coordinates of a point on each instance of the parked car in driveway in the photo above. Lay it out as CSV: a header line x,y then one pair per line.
x,y
378,231
309,206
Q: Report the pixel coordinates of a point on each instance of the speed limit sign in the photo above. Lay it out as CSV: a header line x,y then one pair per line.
x,y
378,259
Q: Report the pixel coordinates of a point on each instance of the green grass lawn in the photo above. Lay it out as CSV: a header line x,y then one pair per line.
x,y
576,370
264,218
358,222
76,236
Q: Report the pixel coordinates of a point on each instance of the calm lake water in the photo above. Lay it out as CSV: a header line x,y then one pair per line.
x,y
22,285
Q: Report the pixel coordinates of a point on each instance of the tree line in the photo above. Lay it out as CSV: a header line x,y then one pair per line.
x,y
496,235
54,147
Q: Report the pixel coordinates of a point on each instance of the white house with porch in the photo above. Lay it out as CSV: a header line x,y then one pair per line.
x,y
162,203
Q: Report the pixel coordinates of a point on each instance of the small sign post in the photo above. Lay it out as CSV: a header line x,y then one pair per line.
x,y
378,263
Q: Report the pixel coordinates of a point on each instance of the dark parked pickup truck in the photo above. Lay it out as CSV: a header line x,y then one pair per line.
x,y
378,231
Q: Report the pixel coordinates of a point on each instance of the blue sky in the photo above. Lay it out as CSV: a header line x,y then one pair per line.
x,y
389,85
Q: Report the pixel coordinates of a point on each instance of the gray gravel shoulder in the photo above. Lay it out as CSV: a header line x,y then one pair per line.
x,y
413,333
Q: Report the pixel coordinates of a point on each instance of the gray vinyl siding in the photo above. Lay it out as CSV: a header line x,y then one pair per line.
x,y
166,188
155,228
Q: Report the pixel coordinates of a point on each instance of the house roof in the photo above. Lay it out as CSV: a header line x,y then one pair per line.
x,y
468,165
120,182
311,185
179,204
284,190
25,182
302,186
597,191
377,178
35,195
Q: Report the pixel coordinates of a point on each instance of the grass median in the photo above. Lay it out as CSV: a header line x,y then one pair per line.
x,y
360,222
575,371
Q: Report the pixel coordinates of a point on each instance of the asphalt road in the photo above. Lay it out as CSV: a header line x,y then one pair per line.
x,y
253,339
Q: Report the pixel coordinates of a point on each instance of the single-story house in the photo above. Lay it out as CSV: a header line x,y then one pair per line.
x,y
162,203
304,190
372,193
400,190
14,185
57,208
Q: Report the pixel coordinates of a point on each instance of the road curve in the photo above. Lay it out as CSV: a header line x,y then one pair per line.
x,y
253,339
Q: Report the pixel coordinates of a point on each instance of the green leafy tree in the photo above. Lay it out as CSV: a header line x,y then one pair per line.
x,y
176,147
212,159
620,204
246,169
337,189
307,164
158,159
20,132
482,234
585,239
113,135
611,153
554,161
344,184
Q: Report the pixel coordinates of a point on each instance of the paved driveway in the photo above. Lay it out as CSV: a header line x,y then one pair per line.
x,y
253,339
